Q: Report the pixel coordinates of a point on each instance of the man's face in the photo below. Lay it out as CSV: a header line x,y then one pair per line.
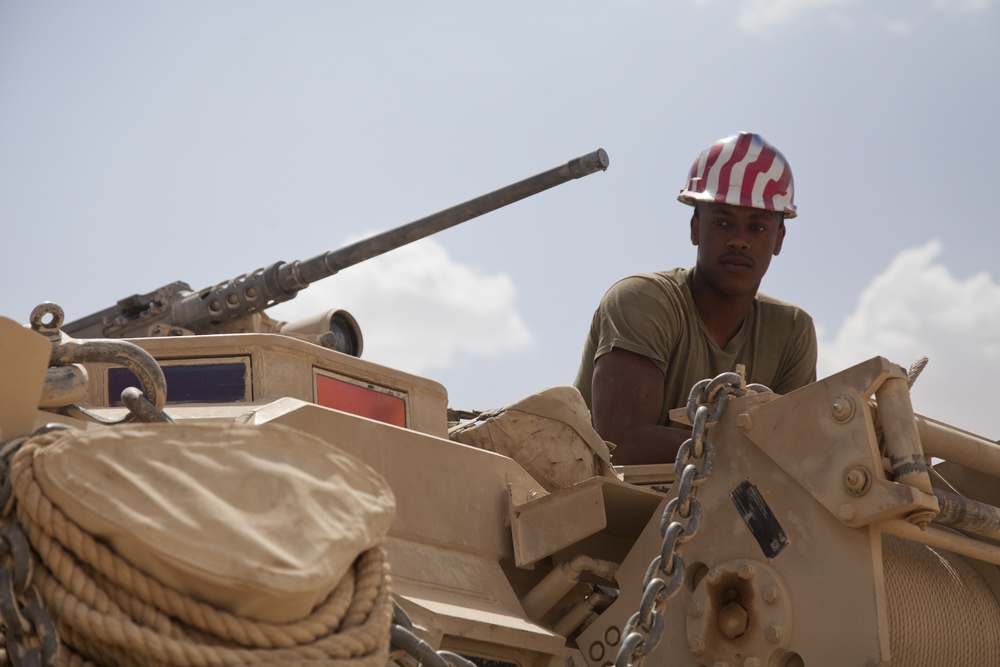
x,y
735,245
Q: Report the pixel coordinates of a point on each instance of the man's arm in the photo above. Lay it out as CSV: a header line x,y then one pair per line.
x,y
627,396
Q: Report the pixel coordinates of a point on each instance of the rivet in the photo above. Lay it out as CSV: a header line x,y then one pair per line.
x,y
744,420
847,512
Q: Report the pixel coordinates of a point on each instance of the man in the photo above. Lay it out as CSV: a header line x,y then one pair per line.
x,y
655,335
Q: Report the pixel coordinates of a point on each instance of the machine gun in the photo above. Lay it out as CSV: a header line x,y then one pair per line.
x,y
236,305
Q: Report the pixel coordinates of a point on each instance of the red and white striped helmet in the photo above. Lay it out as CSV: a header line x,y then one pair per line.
x,y
742,170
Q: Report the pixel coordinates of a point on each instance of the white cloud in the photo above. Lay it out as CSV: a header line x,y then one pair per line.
x,y
899,27
418,308
964,6
759,16
917,307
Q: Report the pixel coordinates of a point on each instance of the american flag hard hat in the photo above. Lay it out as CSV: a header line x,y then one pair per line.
x,y
742,170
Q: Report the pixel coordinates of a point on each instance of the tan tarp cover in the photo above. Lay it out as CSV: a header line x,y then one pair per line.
x,y
549,434
260,521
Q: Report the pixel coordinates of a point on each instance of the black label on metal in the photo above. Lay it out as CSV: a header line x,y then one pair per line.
x,y
759,519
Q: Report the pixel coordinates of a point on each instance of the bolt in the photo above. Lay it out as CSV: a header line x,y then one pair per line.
x,y
858,481
733,620
713,577
720,664
697,647
695,609
746,571
847,512
770,594
773,633
842,409
752,661
744,421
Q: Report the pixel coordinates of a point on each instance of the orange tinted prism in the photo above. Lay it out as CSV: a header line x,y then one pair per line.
x,y
339,395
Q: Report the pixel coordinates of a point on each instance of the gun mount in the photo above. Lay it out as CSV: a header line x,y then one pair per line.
x,y
230,306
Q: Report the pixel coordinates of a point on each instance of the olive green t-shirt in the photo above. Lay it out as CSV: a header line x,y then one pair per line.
x,y
653,314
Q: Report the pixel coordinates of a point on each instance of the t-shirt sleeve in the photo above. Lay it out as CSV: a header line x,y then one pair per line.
x,y
799,363
638,315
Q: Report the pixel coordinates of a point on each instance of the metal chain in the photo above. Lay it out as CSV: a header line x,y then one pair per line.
x,y
28,631
410,651
681,517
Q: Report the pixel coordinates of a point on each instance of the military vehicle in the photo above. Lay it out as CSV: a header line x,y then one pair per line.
x,y
187,481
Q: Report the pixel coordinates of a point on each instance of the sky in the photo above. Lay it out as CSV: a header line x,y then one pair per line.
x,y
145,143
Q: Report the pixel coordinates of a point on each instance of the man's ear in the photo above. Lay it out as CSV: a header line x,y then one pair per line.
x,y
694,229
781,238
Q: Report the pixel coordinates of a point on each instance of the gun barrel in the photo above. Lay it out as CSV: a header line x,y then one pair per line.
x,y
323,266
206,310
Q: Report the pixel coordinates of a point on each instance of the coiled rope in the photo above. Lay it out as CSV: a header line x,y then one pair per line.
x,y
109,613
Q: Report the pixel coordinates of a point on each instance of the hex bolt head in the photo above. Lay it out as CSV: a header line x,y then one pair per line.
x,y
752,661
697,647
714,577
773,633
733,620
695,609
770,594
847,512
746,571
744,421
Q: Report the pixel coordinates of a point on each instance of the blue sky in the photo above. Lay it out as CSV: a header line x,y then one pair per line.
x,y
143,143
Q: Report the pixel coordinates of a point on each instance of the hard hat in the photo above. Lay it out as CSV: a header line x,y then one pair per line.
x,y
742,170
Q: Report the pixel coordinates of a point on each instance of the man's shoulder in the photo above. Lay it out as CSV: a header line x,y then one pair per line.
x,y
771,307
671,280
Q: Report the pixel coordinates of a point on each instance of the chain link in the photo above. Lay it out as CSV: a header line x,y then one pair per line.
x,y
681,517
410,651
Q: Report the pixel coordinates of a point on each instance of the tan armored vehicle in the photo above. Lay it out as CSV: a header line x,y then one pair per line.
x,y
189,482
